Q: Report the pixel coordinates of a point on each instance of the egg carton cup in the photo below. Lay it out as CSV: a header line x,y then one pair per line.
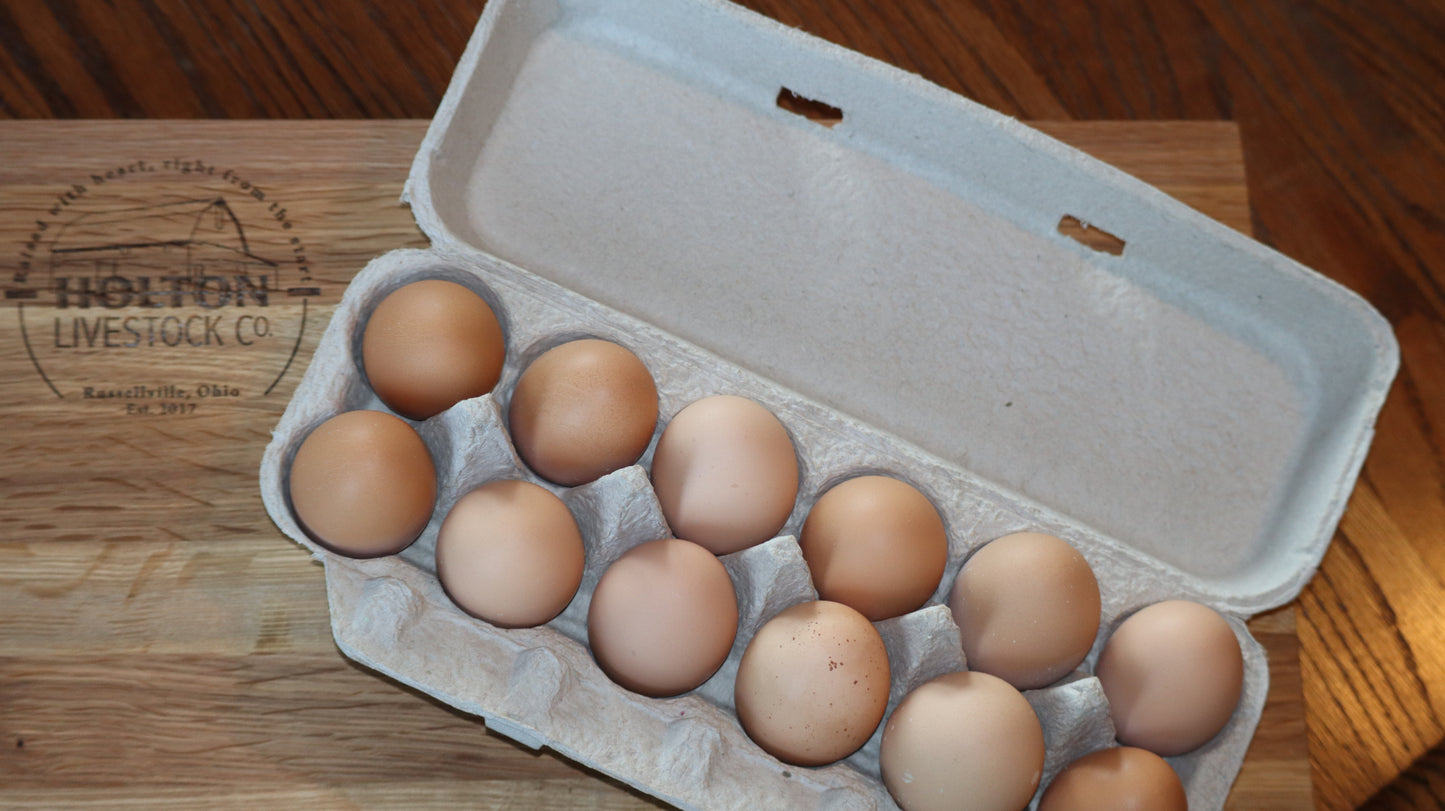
x,y
541,687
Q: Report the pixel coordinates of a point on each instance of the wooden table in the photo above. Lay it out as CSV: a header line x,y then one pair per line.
x,y
1338,108
161,643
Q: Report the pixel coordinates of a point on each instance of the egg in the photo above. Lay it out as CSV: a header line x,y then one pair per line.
x,y
509,552
1027,607
429,345
1173,673
582,410
725,473
962,740
1121,778
663,617
812,684
877,544
363,484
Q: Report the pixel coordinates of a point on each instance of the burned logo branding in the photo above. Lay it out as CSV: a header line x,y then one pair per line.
x,y
158,283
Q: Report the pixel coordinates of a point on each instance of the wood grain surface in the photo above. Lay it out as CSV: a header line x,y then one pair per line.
x,y
1339,110
160,640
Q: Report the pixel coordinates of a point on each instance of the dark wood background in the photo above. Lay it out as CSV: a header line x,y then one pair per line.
x,y
1341,111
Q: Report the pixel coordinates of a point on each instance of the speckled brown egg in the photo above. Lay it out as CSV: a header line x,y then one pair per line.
x,y
509,552
1027,606
1173,673
582,410
877,544
813,683
363,484
1121,778
962,740
663,617
429,345
725,473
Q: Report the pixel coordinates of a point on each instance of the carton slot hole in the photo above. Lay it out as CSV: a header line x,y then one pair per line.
x,y
1091,236
816,111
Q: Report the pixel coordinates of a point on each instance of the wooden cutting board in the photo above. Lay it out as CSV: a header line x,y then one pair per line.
x,y
161,643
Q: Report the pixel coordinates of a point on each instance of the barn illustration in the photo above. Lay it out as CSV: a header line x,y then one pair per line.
x,y
191,238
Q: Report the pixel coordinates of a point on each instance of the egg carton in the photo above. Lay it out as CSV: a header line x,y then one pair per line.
x,y
541,687
1190,414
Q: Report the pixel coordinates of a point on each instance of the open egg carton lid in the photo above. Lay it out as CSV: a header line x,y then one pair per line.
x,y
1191,413
1200,397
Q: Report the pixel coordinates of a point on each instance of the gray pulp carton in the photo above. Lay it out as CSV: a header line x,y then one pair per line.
x,y
1190,414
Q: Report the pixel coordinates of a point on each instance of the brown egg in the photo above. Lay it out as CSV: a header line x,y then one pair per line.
x,y
876,544
962,740
663,617
429,345
1027,606
509,552
363,484
725,473
582,410
1172,673
1119,779
813,683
